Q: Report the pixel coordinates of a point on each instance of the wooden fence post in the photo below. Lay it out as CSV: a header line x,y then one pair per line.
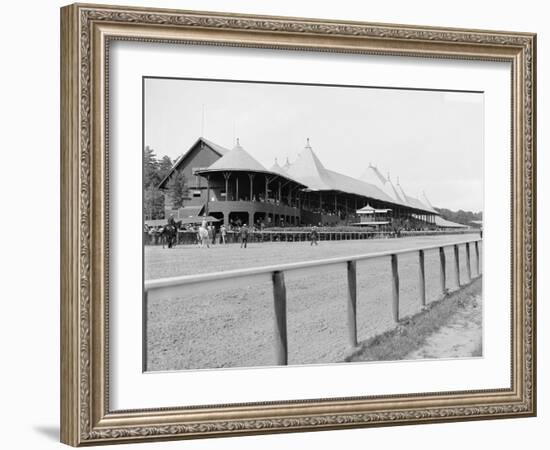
x,y
352,302
279,297
468,262
442,270
395,287
477,258
422,277
457,265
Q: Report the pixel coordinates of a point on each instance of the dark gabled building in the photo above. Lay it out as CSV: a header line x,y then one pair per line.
x,y
203,153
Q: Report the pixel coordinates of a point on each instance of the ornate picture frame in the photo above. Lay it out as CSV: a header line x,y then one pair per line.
x,y
86,33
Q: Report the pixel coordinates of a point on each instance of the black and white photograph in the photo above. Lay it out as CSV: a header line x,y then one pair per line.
x,y
293,224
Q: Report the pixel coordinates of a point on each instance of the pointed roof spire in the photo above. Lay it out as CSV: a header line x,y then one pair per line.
x,y
286,165
277,168
309,170
427,200
406,199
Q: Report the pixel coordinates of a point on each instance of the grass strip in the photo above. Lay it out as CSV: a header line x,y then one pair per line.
x,y
412,332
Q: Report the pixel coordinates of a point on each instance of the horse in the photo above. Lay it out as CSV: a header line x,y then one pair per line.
x,y
168,235
203,236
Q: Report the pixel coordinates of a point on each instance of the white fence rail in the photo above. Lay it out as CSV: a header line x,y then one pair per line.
x,y
184,285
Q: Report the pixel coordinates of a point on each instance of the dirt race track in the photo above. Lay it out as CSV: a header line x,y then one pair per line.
x,y
235,328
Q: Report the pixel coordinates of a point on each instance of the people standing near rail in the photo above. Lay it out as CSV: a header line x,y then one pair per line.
x,y
223,234
314,236
214,233
210,234
244,235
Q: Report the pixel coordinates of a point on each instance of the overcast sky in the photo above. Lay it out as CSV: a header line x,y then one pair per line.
x,y
432,141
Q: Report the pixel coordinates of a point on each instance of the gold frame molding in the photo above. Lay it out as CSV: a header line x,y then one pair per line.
x,y
86,31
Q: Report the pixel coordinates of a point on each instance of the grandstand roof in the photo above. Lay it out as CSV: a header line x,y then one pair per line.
x,y
309,170
427,201
238,159
287,163
355,186
404,197
413,202
277,168
373,176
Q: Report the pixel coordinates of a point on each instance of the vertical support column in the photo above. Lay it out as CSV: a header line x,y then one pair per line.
x,y
468,262
266,187
457,265
442,270
279,297
395,287
206,209
352,302
251,178
226,175
421,277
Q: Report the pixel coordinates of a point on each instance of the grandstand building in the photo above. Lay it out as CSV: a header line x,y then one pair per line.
x,y
235,188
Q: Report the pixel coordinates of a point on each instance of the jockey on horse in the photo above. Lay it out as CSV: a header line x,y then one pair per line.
x,y
169,233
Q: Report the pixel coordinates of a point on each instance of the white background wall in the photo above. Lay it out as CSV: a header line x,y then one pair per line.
x,y
29,187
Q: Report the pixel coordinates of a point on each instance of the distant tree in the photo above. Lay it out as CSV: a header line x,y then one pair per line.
x,y
460,216
153,203
177,189
164,166
151,176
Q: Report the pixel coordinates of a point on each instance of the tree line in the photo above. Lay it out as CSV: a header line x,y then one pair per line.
x,y
154,171
460,216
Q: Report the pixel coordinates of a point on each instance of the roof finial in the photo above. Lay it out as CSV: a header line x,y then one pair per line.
x,y
276,161
307,142
238,143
